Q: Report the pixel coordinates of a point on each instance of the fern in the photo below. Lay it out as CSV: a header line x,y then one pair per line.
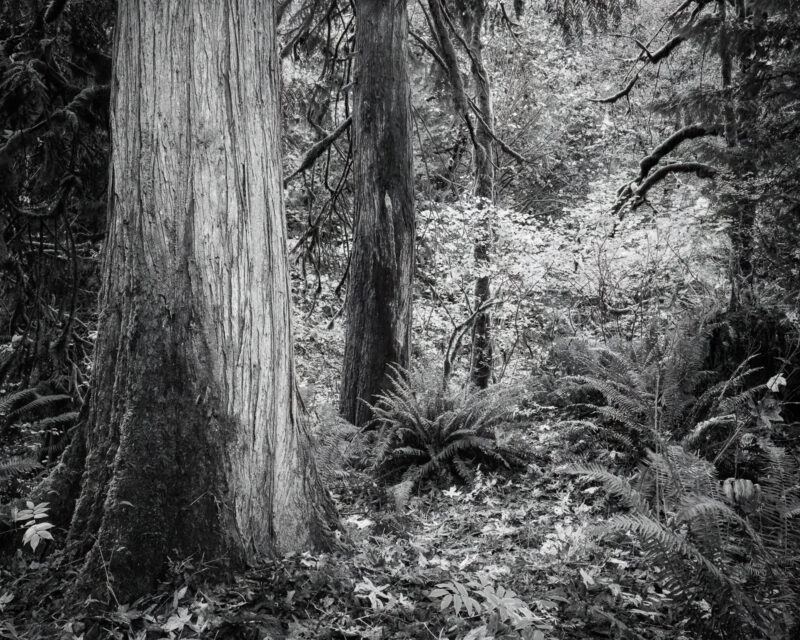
x,y
334,440
744,560
40,405
423,434
652,395
14,400
50,416
16,466
614,484
59,422
575,430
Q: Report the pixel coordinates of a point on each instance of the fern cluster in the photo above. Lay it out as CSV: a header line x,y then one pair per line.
x,y
423,434
738,551
49,416
650,396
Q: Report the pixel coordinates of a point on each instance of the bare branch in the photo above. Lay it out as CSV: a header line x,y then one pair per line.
x,y
702,170
457,335
434,54
517,156
664,51
659,54
619,94
318,149
671,143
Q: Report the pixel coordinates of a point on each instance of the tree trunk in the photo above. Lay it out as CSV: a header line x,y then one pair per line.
x,y
193,443
382,264
742,212
481,372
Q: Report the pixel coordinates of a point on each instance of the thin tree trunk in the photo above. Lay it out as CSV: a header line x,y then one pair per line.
x,y
194,443
481,371
381,270
742,211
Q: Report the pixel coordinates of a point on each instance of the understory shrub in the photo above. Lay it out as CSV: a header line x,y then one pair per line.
x,y
432,433
728,551
43,418
636,397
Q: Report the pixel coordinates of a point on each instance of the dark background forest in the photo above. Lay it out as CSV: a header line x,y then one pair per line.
x,y
544,266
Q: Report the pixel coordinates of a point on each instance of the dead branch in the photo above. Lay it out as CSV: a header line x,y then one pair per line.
x,y
658,55
702,170
620,94
514,154
318,149
671,143
664,51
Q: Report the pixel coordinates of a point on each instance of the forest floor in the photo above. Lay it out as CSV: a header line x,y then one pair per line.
x,y
511,556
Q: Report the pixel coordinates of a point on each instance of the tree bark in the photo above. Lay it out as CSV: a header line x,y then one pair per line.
x,y
194,444
742,212
382,265
481,370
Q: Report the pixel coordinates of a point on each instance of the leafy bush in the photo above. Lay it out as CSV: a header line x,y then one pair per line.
x,y
503,603
426,433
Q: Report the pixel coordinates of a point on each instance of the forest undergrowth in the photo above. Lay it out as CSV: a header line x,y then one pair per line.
x,y
602,526
506,557
633,469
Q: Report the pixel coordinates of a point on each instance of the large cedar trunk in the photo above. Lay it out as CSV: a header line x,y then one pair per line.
x,y
381,269
193,440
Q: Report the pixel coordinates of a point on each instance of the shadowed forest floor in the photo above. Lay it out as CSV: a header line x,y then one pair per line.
x,y
515,548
